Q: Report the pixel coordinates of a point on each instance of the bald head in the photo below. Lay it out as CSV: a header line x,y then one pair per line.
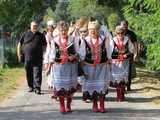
x,y
34,26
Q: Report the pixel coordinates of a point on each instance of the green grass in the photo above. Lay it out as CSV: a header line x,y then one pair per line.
x,y
9,78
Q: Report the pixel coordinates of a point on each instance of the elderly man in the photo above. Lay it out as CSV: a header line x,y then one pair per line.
x,y
33,42
132,36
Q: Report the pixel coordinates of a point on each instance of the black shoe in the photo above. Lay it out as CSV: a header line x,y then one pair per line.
x,y
30,90
128,89
37,91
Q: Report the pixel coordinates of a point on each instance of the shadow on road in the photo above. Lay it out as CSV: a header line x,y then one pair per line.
x,y
86,114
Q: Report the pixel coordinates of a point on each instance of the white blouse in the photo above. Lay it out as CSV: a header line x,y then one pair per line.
x,y
111,45
53,49
82,48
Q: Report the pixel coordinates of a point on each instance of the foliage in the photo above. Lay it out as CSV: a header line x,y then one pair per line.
x,y
115,5
153,61
87,8
113,21
144,18
11,57
17,15
49,15
61,12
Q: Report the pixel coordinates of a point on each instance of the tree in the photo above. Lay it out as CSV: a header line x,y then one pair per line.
x,y
113,21
61,12
17,15
144,18
87,8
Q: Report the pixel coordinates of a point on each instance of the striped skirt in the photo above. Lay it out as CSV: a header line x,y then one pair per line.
x,y
119,71
95,79
64,76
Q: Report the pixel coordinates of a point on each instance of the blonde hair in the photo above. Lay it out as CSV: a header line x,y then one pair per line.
x,y
83,21
62,25
93,25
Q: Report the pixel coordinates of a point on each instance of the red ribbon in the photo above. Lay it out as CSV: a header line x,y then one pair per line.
x,y
96,52
121,49
63,49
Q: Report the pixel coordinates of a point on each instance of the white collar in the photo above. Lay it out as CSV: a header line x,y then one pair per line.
x,y
88,40
124,41
70,40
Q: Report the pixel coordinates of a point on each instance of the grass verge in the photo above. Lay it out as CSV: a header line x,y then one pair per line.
x,y
10,80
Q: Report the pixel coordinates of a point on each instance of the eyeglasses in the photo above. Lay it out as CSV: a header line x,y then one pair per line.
x,y
120,33
83,31
63,30
35,25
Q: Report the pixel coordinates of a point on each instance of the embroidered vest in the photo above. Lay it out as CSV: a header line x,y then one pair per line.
x,y
116,51
103,53
71,51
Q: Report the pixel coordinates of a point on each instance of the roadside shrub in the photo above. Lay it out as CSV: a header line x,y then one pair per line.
x,y
153,57
11,57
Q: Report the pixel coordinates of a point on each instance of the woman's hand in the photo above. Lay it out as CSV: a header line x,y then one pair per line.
x,y
73,57
109,61
47,68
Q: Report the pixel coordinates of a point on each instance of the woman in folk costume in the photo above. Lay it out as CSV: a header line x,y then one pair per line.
x,y
49,38
120,51
83,32
74,29
94,57
79,31
64,58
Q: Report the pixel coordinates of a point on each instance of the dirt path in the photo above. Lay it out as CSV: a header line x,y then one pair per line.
x,y
148,84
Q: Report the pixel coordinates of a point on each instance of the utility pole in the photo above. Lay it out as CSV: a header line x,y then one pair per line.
x,y
1,47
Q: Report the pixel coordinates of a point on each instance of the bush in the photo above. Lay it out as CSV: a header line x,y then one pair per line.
x,y
143,17
11,57
153,57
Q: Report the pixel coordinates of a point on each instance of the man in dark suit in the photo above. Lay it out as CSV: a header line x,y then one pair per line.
x,y
32,44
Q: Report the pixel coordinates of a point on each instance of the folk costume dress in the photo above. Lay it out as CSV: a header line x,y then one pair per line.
x,y
64,70
94,57
121,50
78,43
49,38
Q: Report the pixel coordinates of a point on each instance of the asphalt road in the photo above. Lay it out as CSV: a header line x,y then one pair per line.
x,y
30,106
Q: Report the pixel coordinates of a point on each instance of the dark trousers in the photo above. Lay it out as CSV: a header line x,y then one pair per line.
x,y
33,74
130,73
